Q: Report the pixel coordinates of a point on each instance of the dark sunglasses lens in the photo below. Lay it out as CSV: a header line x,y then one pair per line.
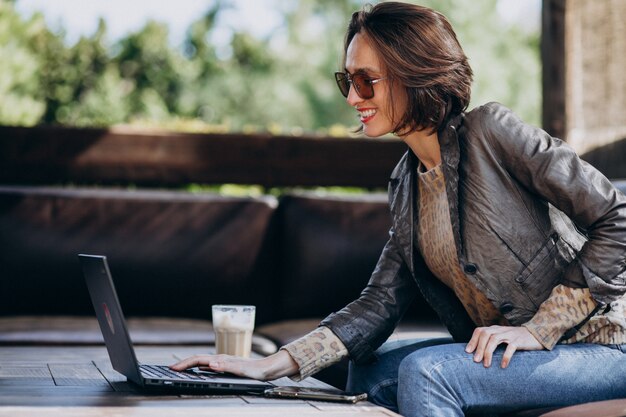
x,y
342,83
363,86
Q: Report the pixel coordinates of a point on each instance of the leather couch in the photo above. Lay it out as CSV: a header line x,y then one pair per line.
x,y
174,254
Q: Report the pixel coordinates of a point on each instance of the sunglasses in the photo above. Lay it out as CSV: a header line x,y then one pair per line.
x,y
363,85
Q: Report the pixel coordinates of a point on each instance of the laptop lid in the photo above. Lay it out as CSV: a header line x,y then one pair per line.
x,y
110,316
119,344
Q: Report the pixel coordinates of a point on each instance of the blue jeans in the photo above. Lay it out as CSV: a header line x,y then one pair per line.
x,y
436,377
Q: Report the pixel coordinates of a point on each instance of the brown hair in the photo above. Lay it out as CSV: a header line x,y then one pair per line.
x,y
419,49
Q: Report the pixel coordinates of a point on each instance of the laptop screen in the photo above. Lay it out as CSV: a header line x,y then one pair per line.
x,y
110,316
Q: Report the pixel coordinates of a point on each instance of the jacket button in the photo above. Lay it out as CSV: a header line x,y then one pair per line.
x,y
470,269
506,308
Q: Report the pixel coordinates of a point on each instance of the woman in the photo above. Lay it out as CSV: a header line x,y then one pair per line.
x,y
517,244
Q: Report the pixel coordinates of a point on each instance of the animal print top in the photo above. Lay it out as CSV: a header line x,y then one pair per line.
x,y
315,351
436,243
567,307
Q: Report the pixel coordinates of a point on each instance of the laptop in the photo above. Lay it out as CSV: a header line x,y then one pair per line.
x,y
121,351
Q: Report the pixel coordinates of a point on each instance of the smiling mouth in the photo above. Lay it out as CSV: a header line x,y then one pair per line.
x,y
367,115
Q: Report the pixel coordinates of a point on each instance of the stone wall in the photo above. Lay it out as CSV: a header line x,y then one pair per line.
x,y
595,72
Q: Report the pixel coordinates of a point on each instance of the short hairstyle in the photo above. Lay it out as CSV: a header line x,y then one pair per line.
x,y
419,49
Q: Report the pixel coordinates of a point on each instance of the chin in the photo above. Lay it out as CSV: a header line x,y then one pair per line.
x,y
373,132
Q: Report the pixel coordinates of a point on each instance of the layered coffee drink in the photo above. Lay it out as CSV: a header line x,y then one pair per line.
x,y
233,326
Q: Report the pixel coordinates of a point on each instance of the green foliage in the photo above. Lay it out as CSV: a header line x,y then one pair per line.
x,y
505,60
19,72
282,83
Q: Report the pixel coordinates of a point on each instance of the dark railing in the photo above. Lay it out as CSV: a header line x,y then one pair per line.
x,y
55,155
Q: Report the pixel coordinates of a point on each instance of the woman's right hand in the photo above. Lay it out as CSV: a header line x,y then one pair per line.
x,y
272,367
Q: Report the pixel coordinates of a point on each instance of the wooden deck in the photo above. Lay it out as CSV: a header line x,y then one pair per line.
x,y
79,381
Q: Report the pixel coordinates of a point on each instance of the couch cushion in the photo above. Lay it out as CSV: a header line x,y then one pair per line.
x,y
330,246
170,253
611,408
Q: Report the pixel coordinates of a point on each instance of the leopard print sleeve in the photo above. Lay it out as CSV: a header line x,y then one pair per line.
x,y
315,351
565,308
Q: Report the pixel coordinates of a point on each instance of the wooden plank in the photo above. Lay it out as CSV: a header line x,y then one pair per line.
x,y
203,411
81,397
91,399
361,407
46,396
21,375
44,155
42,355
553,67
77,375
257,400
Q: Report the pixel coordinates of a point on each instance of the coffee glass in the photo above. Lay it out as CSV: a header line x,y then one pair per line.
x,y
233,326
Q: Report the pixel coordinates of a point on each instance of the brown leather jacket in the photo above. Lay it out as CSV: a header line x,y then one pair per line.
x,y
512,190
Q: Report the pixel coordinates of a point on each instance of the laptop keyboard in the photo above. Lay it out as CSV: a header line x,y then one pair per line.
x,y
160,371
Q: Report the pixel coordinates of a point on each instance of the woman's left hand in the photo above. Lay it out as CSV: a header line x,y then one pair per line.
x,y
485,340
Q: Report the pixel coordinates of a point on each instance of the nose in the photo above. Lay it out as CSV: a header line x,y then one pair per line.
x,y
353,98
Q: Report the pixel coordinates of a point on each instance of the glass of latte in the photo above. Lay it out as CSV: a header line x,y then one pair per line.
x,y
233,326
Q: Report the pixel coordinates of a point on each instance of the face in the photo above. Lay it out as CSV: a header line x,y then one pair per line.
x,y
374,113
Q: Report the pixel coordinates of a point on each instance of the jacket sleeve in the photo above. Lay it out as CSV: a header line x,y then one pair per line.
x,y
367,322
551,169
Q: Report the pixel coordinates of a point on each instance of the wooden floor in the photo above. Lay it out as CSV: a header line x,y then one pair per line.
x,y
79,381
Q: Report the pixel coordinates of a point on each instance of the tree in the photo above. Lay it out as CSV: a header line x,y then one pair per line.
x,y
20,69
281,82
156,71
86,88
505,59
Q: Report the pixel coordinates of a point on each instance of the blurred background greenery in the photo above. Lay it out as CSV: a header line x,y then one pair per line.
x,y
277,84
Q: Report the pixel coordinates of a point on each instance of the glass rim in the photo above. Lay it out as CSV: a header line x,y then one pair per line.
x,y
345,80
235,306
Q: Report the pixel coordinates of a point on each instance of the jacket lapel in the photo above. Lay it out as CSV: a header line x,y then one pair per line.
x,y
402,206
404,194
450,158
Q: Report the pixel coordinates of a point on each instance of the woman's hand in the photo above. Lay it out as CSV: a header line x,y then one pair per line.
x,y
272,367
485,340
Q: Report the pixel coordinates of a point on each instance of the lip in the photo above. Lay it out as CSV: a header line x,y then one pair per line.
x,y
366,119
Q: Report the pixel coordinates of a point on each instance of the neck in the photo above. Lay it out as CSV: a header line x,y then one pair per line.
x,y
425,146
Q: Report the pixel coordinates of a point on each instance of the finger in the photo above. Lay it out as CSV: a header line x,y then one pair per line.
x,y
494,341
230,364
471,345
191,362
508,354
185,363
484,335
